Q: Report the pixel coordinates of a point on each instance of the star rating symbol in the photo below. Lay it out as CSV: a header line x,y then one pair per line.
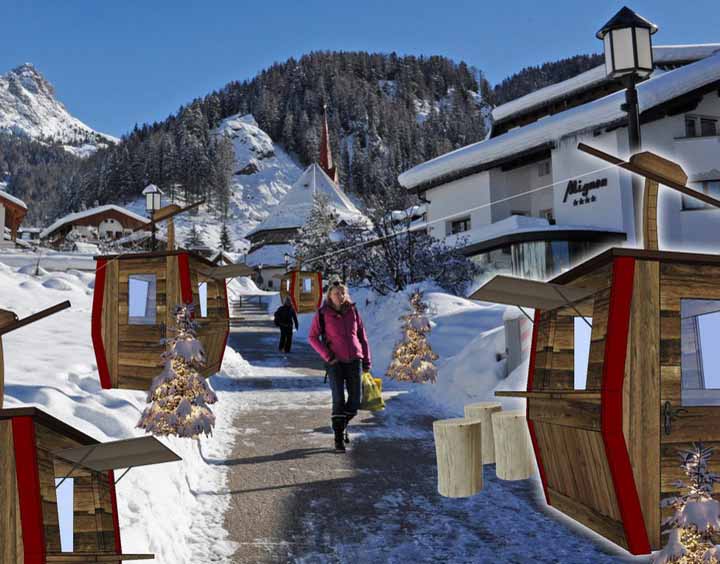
x,y
585,200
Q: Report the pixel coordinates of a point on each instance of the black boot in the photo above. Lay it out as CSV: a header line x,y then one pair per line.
x,y
338,426
346,437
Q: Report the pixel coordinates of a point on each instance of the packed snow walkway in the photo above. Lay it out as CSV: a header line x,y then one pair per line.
x,y
293,499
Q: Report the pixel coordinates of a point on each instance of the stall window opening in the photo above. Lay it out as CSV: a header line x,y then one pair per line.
x,y
699,353
582,334
142,299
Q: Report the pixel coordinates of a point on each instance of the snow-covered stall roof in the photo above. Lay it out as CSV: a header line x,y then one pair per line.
x,y
662,54
12,199
294,209
270,255
661,87
89,213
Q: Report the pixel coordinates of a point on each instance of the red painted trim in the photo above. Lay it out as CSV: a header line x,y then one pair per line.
x,y
531,426
293,284
320,293
227,333
186,293
96,324
28,484
616,343
116,520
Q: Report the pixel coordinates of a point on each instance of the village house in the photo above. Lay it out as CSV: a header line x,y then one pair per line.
x,y
526,201
12,213
103,223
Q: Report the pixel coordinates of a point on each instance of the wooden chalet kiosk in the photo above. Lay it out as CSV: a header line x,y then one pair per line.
x,y
134,298
38,453
607,448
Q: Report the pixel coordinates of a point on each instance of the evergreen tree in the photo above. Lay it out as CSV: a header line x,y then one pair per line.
x,y
225,241
194,240
697,515
316,238
179,396
413,357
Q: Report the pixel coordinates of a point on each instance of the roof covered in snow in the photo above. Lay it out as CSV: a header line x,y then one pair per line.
x,y
294,209
270,255
72,217
662,55
12,199
661,87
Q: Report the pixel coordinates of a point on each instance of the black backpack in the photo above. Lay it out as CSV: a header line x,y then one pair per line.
x,y
282,316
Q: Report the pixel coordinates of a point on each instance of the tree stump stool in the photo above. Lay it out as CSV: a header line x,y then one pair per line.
x,y
458,447
513,450
483,411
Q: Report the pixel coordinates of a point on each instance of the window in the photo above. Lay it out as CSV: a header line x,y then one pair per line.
x,y
710,187
699,353
459,226
65,503
582,334
544,168
697,126
203,295
270,283
142,299
307,286
708,127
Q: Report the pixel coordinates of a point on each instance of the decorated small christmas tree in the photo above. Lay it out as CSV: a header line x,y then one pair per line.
x,y
179,396
697,514
413,357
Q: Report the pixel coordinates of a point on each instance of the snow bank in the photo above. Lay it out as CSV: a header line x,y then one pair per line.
x,y
51,364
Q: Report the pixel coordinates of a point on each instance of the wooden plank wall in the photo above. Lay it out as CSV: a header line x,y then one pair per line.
x,y
93,529
110,319
568,430
213,328
702,423
139,347
11,547
641,394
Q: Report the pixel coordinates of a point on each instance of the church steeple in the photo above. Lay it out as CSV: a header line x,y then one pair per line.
x,y
326,158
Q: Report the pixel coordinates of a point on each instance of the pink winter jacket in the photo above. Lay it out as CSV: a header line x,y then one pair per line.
x,y
344,335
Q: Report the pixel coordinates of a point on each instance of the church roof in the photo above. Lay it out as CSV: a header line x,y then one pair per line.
x,y
294,209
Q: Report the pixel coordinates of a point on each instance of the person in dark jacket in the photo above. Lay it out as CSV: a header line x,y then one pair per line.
x,y
285,316
338,335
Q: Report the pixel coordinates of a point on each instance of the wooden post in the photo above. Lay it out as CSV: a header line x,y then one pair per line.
x,y
458,447
483,411
513,450
170,234
6,318
656,167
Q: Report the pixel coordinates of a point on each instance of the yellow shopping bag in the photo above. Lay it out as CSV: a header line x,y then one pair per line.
x,y
372,393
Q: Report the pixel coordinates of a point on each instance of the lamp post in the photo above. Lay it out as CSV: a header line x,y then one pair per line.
x,y
152,204
287,262
627,43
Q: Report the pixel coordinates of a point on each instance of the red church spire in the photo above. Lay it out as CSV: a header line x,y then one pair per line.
x,y
326,159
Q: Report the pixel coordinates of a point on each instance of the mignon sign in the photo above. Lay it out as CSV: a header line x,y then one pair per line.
x,y
578,188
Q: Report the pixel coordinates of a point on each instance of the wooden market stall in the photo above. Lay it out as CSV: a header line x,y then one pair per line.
x,y
40,452
134,298
304,289
607,417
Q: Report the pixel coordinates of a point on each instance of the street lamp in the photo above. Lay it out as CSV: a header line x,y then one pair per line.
x,y
628,57
287,262
152,204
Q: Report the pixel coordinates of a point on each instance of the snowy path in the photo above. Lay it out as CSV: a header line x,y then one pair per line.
x,y
294,500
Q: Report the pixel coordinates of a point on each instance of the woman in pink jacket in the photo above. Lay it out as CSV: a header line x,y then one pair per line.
x,y
338,335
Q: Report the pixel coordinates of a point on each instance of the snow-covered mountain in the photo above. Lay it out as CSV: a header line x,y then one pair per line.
x,y
263,174
28,107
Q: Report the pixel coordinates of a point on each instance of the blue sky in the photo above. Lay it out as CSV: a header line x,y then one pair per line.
x,y
116,63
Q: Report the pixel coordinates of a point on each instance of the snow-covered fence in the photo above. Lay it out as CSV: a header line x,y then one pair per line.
x,y
518,338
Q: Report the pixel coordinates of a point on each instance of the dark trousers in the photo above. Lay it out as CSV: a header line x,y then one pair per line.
x,y
286,338
344,375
